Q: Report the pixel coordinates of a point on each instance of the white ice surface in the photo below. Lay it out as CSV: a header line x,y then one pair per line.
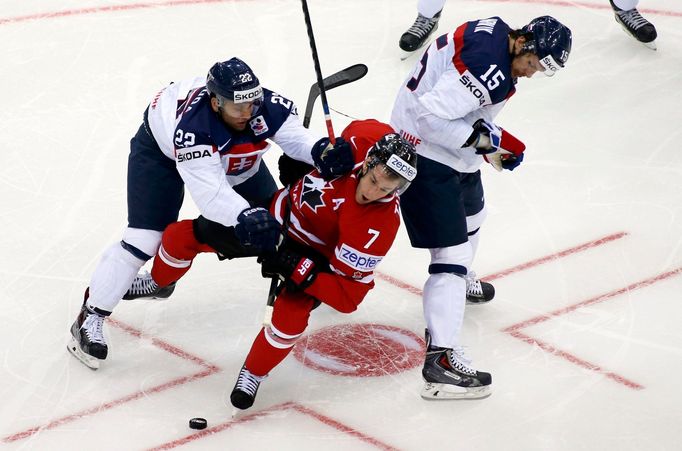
x,y
603,158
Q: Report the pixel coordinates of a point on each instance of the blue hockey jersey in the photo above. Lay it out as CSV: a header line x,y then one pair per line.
x,y
210,157
462,76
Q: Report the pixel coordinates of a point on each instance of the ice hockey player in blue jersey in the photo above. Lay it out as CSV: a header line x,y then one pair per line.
x,y
446,108
208,134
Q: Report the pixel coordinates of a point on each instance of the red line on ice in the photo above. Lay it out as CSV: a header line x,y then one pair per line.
x,y
278,408
573,359
587,5
515,329
171,3
207,371
522,267
104,9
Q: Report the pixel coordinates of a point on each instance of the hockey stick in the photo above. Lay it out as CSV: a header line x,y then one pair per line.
x,y
340,78
318,73
272,293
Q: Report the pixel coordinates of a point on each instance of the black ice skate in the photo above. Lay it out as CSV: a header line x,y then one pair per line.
x,y
636,25
478,292
448,376
418,34
87,339
144,287
244,391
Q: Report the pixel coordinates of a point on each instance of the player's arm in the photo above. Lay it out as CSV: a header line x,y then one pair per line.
x,y
220,206
204,176
358,252
362,135
302,274
295,140
360,249
203,173
300,144
441,118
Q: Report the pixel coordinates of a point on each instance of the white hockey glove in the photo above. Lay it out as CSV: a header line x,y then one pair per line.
x,y
499,147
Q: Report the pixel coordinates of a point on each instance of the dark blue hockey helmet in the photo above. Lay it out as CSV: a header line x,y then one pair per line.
x,y
234,80
551,42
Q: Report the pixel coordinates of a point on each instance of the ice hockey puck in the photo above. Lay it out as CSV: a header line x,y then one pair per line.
x,y
198,423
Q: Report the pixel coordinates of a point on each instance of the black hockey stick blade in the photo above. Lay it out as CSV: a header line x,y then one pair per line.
x,y
340,78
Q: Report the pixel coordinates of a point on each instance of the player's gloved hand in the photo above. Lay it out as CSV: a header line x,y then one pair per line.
x,y
297,271
257,229
510,162
290,170
332,161
495,143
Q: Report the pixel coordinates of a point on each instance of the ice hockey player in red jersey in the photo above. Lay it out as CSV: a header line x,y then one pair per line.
x,y
338,232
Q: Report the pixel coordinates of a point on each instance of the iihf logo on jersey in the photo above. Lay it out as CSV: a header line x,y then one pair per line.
x,y
312,192
258,125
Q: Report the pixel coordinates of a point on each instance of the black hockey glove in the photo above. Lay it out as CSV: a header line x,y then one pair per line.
x,y
290,170
258,230
332,161
298,272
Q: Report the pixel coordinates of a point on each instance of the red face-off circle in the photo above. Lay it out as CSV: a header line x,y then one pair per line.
x,y
361,350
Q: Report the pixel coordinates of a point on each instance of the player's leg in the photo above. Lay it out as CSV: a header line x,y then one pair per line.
x,y
633,23
426,23
174,258
155,193
478,291
184,240
435,217
272,344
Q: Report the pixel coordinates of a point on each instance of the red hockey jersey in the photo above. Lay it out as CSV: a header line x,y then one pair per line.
x,y
354,238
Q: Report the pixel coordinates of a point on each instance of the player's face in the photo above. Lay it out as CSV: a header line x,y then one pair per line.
x,y
374,185
526,65
236,115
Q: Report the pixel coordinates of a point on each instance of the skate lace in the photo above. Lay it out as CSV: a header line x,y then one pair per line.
x,y
143,284
247,382
93,328
473,284
461,362
632,19
422,26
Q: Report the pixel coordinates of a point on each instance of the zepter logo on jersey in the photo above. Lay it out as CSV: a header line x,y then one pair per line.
x,y
356,259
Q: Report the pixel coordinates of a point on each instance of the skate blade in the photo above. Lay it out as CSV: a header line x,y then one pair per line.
x,y
405,55
418,51
476,301
651,45
87,360
448,391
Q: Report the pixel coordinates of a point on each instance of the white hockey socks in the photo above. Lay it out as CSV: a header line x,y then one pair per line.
x,y
112,277
444,301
